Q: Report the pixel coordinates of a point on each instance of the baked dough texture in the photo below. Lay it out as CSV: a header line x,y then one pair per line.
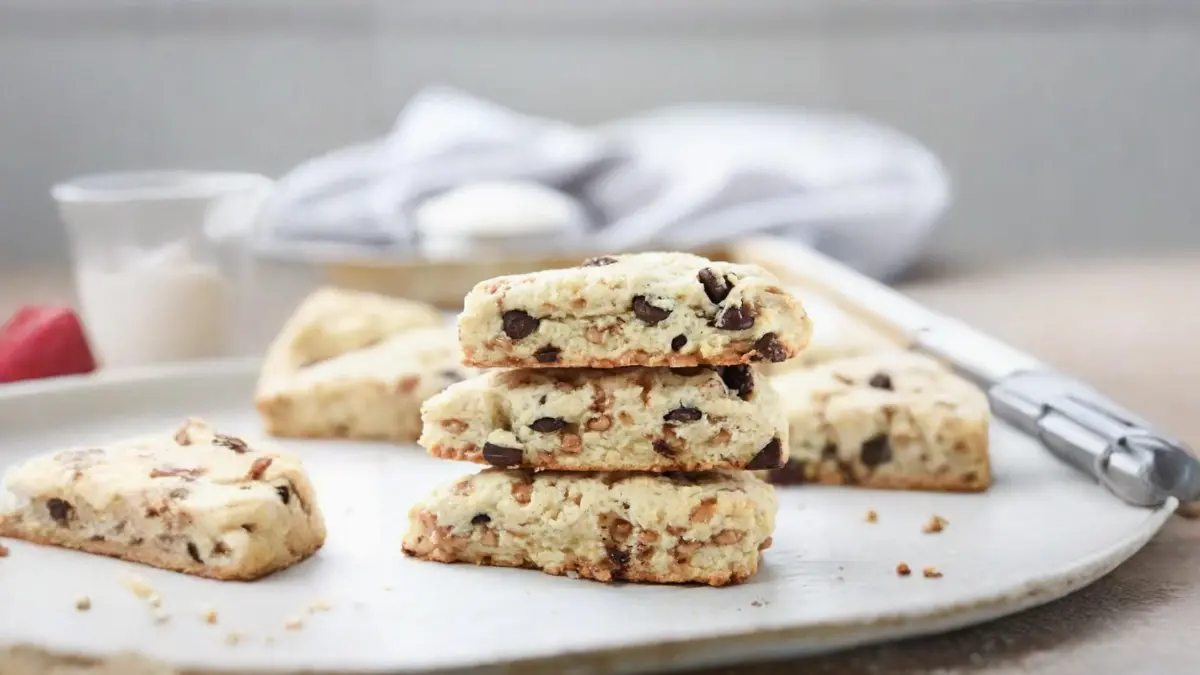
x,y
706,527
639,309
192,501
624,419
888,420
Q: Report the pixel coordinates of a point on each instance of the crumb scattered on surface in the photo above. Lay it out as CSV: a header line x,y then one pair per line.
x,y
294,623
209,616
319,606
270,639
387,588
903,570
161,616
872,517
931,572
756,603
137,585
936,524
155,600
83,603
3,551
572,574
233,638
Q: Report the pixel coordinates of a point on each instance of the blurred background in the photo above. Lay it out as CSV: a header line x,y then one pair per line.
x,y
1067,127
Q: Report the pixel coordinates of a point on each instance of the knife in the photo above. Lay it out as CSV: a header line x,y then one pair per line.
x,y
1090,432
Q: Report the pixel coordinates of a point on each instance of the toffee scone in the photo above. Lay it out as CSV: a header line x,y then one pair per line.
x,y
642,419
373,393
194,501
889,420
836,335
642,309
704,527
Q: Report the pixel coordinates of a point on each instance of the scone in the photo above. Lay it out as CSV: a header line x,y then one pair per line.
x,y
836,335
374,393
642,309
333,321
888,420
356,365
666,528
624,419
194,501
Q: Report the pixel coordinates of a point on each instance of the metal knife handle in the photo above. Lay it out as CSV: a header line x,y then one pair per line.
x,y
1098,437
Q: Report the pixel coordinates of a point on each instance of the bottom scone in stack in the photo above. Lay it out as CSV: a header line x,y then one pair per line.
x,y
623,426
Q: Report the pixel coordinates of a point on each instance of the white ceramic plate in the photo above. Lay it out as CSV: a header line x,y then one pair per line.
x,y
828,582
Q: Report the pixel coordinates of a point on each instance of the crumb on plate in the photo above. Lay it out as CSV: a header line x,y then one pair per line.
x,y
872,517
83,603
903,570
936,524
931,572
209,616
294,623
137,585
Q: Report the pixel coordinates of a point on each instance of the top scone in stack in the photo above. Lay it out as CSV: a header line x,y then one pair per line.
x,y
622,422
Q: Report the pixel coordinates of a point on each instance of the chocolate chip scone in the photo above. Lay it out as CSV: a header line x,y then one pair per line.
x,y
665,528
196,501
643,309
888,420
356,365
623,419
374,393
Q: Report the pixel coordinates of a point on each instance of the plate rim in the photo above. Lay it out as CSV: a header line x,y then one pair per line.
x,y
748,646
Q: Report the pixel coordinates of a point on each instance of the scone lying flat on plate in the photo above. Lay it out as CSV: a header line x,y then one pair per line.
x,y
888,420
704,527
836,335
648,419
356,365
194,501
642,309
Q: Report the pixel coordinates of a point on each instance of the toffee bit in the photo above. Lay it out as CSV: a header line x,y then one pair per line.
x,y
235,444
258,468
903,570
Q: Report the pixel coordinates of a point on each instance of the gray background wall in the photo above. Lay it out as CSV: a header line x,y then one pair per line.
x,y
1070,126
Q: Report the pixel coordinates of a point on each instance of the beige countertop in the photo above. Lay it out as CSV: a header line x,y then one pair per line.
x,y
1131,328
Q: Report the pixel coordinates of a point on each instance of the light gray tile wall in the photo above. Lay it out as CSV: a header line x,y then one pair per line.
x,y
1071,127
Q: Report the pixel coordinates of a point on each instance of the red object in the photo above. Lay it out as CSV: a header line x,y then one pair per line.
x,y
39,342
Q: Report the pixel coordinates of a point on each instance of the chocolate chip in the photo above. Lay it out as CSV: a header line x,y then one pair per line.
x,y
791,473
235,444
620,559
770,457
736,317
716,288
498,455
285,495
194,552
548,425
249,527
689,371
683,414
662,448
648,313
876,450
881,381
481,519
678,342
770,348
547,354
739,379
518,324
60,510
829,451
599,261
220,549
96,537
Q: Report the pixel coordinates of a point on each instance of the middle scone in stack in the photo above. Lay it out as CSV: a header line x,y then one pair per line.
x,y
623,424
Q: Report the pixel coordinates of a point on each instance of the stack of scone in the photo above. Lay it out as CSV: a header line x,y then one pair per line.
x,y
623,422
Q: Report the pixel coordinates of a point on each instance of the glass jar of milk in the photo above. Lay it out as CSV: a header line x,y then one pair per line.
x,y
150,254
